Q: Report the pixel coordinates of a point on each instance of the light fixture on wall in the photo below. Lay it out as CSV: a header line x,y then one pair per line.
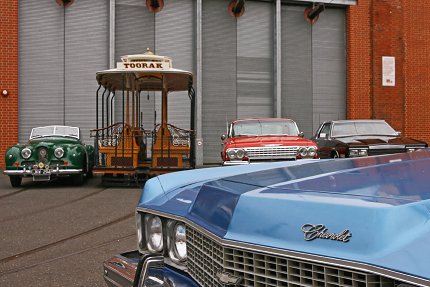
x,y
5,93
236,8
154,6
65,3
312,13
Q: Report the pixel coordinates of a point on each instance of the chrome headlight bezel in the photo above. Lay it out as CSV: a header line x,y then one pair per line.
x,y
358,152
139,231
231,153
177,242
312,151
26,153
154,233
59,152
302,151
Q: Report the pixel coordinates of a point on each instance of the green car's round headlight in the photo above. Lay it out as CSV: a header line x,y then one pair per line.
x,y
154,233
178,250
59,152
26,153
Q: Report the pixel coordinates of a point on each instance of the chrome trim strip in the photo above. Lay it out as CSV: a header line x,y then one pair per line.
x,y
297,255
150,262
384,146
26,172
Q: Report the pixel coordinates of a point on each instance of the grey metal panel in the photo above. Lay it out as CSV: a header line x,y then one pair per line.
x,y
174,37
340,2
297,68
134,32
219,75
41,94
86,52
313,67
329,66
255,61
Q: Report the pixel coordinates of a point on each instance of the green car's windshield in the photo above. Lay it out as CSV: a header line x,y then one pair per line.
x,y
264,127
49,131
362,128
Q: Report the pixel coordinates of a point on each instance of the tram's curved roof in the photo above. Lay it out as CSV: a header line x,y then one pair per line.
x,y
145,72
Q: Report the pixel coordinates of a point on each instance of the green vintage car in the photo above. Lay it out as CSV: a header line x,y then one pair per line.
x,y
51,151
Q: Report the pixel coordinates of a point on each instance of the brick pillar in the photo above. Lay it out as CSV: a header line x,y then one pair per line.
x,y
359,61
417,69
8,75
388,40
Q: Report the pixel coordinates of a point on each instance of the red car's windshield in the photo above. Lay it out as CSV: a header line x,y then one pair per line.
x,y
264,127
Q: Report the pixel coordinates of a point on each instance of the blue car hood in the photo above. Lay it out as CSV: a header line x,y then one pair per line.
x,y
370,210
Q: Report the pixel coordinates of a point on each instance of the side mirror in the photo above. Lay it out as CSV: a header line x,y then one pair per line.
x,y
323,135
301,134
398,133
223,137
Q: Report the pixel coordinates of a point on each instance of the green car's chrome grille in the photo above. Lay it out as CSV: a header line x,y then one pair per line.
x,y
208,261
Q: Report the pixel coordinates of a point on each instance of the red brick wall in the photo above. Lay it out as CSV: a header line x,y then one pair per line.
x,y
8,75
417,69
359,61
398,28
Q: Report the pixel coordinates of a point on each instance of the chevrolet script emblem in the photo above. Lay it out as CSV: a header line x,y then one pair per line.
x,y
312,232
227,279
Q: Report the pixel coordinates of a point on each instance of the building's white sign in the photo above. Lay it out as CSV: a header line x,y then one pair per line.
x,y
143,65
388,71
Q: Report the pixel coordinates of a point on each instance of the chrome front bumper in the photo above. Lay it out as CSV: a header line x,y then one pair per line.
x,y
32,172
136,270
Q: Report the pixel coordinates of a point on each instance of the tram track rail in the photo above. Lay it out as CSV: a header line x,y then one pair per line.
x,y
63,240
13,193
51,207
42,262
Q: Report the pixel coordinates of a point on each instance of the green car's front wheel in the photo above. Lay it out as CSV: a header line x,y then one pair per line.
x,y
15,180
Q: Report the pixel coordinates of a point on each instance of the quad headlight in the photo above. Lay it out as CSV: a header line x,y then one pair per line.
x,y
154,233
358,152
236,153
307,151
59,152
177,242
26,153
162,235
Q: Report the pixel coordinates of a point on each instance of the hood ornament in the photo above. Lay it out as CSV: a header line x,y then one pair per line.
x,y
311,232
227,279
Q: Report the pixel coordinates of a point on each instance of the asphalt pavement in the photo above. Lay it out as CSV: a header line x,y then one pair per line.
x,y
57,234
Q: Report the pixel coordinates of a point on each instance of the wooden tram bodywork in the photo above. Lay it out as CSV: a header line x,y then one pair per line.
x,y
126,152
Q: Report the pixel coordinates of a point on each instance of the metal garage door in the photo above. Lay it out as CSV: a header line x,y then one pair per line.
x,y
47,57
237,69
313,67
255,61
218,75
134,33
174,28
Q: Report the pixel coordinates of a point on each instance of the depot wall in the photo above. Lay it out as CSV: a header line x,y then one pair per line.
x,y
400,29
8,75
374,28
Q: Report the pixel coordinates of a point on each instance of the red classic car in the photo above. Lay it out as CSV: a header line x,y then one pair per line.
x,y
265,139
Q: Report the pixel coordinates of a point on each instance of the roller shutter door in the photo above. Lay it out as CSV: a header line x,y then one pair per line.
x,y
41,73
134,33
313,67
329,67
219,101
57,82
255,61
174,28
86,22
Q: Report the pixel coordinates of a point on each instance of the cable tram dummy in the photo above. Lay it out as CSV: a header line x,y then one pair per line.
x,y
125,150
